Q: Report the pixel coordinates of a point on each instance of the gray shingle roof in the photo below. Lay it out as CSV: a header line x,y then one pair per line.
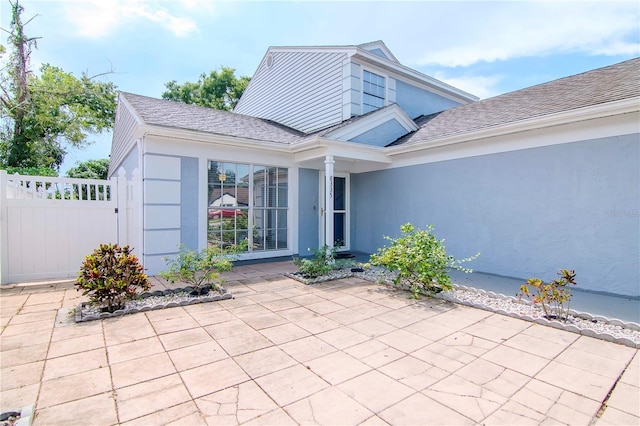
x,y
177,115
599,86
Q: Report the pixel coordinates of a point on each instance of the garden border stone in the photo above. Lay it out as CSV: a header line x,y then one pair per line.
x,y
187,299
377,277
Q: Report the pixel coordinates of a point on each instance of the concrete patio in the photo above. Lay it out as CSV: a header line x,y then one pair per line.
x,y
280,352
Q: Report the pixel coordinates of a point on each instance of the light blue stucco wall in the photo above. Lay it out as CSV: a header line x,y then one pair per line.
x,y
529,212
415,101
308,211
382,135
189,202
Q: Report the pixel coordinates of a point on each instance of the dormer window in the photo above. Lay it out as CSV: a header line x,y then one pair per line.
x,y
372,91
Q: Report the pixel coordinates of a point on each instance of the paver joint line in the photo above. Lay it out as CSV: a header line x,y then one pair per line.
x,y
302,330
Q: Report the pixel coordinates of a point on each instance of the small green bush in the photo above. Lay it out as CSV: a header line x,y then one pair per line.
x,y
110,276
554,297
201,270
322,263
420,260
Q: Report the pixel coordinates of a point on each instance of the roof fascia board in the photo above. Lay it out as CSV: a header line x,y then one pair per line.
x,y
154,130
373,120
432,83
581,114
349,50
320,147
326,146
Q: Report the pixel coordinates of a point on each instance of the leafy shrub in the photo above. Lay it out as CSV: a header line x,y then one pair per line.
x,y
555,297
111,275
201,270
322,263
420,259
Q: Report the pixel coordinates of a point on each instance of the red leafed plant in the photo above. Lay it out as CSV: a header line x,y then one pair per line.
x,y
111,275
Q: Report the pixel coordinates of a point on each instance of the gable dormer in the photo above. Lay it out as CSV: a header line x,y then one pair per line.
x,y
380,49
313,88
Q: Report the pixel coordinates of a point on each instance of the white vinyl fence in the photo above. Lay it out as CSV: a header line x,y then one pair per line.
x,y
49,224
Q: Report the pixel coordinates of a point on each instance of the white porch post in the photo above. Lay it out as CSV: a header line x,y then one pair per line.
x,y
328,203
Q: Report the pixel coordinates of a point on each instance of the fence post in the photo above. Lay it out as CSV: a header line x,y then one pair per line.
x,y
121,206
135,203
4,238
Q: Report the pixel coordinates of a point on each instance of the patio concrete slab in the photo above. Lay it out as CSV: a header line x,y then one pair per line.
x,y
101,409
235,405
280,352
324,407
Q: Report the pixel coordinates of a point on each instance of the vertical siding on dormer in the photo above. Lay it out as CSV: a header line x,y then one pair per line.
x,y
302,90
122,140
351,94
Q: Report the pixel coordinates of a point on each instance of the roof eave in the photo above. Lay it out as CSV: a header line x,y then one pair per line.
x,y
207,137
624,106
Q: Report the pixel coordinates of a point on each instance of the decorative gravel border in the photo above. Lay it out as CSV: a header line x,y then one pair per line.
x,y
579,322
336,274
597,326
160,299
25,416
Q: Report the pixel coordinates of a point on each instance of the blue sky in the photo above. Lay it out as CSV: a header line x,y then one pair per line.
x,y
485,48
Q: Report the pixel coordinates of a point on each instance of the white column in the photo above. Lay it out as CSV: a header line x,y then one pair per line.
x,y
328,200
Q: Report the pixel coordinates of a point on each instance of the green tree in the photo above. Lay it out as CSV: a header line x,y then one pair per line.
x,y
90,169
41,115
219,90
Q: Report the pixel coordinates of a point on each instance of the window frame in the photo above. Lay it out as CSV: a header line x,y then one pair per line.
x,y
250,209
367,106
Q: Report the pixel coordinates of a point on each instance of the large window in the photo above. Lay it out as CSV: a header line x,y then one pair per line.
x,y
372,91
248,202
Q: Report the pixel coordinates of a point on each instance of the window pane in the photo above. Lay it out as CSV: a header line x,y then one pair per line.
x,y
271,219
282,218
258,219
272,176
271,196
228,238
258,186
228,174
282,239
242,185
282,197
339,202
271,239
214,170
229,195
242,236
258,240
339,229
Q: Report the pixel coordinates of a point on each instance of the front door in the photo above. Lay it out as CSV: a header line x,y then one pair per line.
x,y
340,210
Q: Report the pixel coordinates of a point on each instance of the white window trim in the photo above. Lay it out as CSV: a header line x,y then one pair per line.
x,y
292,216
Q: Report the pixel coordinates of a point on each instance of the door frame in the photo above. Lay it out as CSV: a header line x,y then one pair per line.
x,y
322,204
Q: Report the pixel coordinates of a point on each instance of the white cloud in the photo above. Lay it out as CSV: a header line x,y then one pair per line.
x,y
502,31
97,18
480,86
